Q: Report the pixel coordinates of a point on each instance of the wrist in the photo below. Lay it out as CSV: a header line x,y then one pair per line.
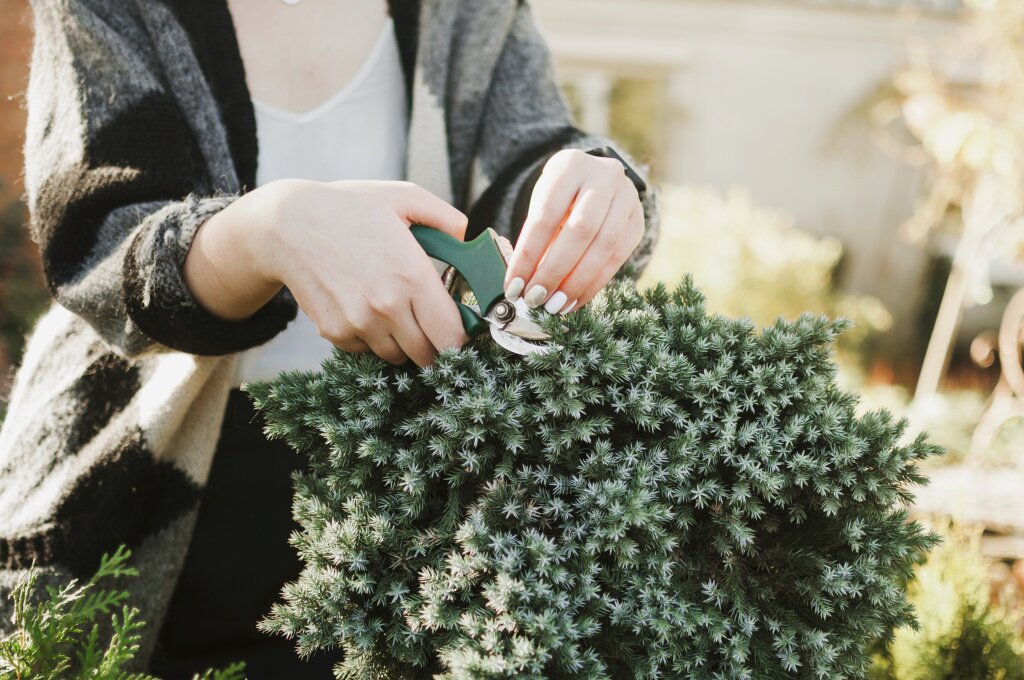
x,y
631,173
265,239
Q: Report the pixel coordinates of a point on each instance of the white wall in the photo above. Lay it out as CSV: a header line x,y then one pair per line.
x,y
763,95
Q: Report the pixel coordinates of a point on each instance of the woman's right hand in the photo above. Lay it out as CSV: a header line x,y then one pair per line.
x,y
345,252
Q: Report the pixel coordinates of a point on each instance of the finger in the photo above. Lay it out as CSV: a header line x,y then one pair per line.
x,y
589,213
387,349
334,328
606,254
412,340
602,276
552,198
352,346
438,316
419,206
612,267
343,336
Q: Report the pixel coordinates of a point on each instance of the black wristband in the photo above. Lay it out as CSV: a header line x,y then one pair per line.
x,y
633,175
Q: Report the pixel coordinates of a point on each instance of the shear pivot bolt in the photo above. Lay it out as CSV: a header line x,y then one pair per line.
x,y
504,311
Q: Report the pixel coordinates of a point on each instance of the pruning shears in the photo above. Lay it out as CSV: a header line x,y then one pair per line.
x,y
479,266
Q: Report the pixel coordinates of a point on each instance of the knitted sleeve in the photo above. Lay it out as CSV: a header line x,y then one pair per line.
x,y
525,122
118,184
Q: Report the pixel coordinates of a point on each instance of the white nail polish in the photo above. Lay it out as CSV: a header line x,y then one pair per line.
x,y
514,289
535,296
556,302
568,309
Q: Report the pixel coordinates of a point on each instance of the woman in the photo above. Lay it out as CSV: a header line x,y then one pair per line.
x,y
201,172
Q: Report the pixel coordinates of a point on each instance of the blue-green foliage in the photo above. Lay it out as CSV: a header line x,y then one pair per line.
x,y
668,494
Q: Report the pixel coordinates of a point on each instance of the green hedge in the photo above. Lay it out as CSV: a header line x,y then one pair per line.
x,y
666,494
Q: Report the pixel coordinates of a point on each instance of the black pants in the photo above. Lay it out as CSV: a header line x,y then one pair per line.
x,y
237,562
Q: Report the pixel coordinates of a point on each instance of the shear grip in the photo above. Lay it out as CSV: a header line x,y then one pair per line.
x,y
480,264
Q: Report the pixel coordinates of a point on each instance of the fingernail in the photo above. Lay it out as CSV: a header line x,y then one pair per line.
x,y
514,289
568,309
536,296
556,302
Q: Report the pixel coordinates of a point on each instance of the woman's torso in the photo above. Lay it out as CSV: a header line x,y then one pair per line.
x,y
296,56
239,556
356,131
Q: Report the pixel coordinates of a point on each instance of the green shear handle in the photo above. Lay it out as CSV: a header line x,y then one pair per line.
x,y
480,264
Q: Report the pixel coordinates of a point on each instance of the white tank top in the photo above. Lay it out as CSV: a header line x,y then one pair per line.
x,y
359,133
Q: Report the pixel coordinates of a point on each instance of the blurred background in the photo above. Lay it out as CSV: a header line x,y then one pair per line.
x,y
858,158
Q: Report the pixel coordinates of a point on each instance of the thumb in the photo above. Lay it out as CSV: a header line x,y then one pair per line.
x,y
419,206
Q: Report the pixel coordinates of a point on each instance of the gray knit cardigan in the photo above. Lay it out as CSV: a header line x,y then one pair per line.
x,y
140,127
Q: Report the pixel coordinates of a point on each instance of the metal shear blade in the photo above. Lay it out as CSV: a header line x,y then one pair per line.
x,y
514,343
527,338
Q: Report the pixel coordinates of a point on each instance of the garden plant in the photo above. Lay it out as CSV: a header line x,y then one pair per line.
x,y
664,494
81,631
963,633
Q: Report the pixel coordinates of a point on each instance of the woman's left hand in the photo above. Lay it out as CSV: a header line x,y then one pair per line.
x,y
585,220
